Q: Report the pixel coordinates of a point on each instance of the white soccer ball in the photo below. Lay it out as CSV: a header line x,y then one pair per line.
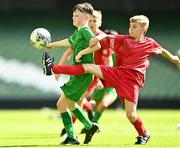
x,y
40,38
178,126
178,52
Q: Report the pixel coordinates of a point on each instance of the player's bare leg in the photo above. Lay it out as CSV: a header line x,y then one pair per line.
x,y
93,69
130,109
83,104
62,105
131,114
107,100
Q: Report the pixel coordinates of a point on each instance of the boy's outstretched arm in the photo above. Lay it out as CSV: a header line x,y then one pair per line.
x,y
87,51
95,40
60,43
66,56
173,58
93,46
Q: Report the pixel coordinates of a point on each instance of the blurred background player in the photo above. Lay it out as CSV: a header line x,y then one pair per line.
x,y
133,52
103,96
106,96
77,85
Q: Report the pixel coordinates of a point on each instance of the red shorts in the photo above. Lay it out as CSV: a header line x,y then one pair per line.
x,y
127,83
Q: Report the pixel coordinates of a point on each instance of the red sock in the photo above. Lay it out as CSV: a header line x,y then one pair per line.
x,y
67,69
92,87
87,106
140,127
74,118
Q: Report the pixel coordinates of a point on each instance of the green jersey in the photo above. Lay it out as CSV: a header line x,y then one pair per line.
x,y
79,41
77,85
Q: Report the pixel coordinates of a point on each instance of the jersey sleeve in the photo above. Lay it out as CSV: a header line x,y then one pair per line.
x,y
156,48
105,47
87,33
72,38
115,41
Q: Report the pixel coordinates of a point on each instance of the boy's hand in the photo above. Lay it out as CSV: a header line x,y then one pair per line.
x,y
176,60
50,45
78,57
93,42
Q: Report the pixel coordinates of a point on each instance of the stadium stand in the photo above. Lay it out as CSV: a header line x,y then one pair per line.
x,y
21,77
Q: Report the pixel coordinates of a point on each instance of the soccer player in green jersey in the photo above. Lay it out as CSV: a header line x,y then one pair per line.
x,y
75,88
103,96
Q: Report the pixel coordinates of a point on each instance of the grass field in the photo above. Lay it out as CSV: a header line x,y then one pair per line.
x,y
38,128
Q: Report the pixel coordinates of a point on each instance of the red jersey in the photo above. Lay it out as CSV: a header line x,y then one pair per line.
x,y
101,56
131,54
132,60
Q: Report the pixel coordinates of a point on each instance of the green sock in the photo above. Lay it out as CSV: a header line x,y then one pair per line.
x,y
68,124
97,115
79,113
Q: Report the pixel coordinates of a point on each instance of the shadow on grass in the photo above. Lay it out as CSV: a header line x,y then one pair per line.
x,y
42,137
28,145
81,145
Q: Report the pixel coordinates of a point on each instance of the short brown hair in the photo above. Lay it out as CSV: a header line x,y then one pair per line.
x,y
84,8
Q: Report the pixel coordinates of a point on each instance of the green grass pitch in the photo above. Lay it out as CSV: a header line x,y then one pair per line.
x,y
39,128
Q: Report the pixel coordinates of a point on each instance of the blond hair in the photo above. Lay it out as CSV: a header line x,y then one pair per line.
x,y
97,14
142,19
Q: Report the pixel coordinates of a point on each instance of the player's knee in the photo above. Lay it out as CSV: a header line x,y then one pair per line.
x,y
101,107
105,105
58,105
72,107
131,116
87,67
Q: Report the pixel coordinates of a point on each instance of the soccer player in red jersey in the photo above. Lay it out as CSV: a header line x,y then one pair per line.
x,y
103,96
133,52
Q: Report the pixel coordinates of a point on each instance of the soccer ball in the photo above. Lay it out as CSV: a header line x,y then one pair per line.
x,y
40,38
178,53
178,126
